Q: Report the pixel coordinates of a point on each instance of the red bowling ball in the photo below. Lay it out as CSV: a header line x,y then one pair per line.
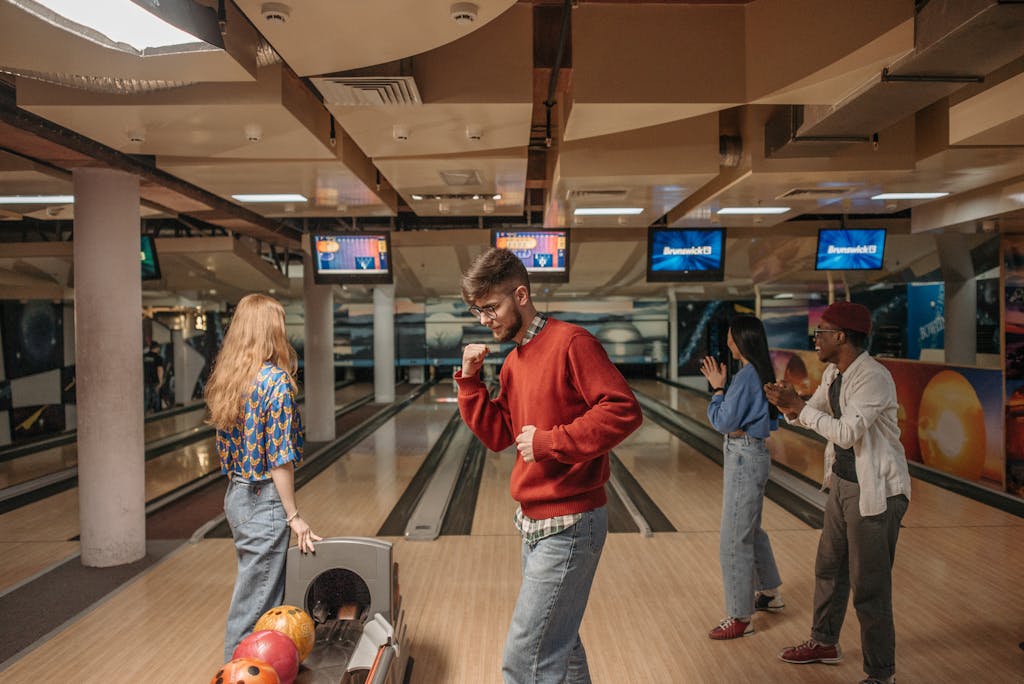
x,y
275,649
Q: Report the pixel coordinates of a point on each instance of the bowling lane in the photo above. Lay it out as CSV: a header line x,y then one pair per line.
x,y
931,505
685,484
354,495
49,523
46,461
495,506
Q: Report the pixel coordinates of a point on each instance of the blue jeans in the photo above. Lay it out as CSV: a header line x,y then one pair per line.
x,y
257,521
744,550
543,644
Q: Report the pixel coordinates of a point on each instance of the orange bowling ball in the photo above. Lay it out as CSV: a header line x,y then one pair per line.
x,y
245,671
294,623
951,426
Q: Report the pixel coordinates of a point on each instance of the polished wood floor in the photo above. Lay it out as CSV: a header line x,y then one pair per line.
x,y
957,577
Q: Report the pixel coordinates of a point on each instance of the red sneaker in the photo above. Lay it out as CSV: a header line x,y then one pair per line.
x,y
811,651
732,628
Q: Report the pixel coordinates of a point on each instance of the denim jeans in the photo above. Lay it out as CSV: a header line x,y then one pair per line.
x,y
151,398
858,552
744,549
257,521
543,644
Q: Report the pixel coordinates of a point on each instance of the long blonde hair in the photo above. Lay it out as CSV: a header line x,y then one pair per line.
x,y
255,335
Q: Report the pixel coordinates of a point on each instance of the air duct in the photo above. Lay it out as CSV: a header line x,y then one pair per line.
x,y
956,42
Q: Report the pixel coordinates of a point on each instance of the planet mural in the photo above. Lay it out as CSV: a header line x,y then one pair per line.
x,y
951,426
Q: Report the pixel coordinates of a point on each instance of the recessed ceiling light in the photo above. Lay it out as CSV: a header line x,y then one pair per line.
x,y
270,198
122,21
753,210
417,197
607,211
37,199
909,195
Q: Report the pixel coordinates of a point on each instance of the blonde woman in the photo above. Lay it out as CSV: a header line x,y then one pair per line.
x,y
251,396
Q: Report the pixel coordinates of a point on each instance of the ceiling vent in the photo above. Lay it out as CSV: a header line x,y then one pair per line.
x,y
814,193
466,177
596,194
353,91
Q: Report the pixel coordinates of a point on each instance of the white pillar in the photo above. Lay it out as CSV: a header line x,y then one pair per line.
x,y
961,299
108,365
182,392
318,357
384,344
673,335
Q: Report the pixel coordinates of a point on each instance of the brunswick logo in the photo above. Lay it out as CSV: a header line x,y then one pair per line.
x,y
857,249
700,250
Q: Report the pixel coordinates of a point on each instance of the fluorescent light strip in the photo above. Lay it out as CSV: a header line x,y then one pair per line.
x,y
122,21
37,199
909,195
252,199
608,211
753,210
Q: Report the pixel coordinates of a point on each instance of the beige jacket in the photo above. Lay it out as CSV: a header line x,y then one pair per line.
x,y
867,400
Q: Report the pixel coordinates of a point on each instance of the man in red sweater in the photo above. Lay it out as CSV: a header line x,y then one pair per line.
x,y
564,405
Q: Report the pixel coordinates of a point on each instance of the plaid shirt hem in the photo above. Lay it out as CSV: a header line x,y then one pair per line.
x,y
535,530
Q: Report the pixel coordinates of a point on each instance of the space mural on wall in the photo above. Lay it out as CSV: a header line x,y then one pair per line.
x,y
950,417
1013,345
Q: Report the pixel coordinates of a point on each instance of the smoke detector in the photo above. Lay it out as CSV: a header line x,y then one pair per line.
x,y
136,135
473,132
400,132
275,12
253,132
464,12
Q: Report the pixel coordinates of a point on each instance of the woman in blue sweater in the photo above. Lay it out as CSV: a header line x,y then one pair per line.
x,y
745,417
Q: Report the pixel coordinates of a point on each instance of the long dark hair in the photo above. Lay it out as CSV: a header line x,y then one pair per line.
x,y
750,338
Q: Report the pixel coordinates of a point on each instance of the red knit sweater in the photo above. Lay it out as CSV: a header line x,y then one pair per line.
x,y
563,383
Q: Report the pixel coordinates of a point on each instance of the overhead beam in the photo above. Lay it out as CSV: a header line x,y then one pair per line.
x,y
41,140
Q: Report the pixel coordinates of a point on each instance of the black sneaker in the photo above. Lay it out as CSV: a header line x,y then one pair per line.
x,y
772,604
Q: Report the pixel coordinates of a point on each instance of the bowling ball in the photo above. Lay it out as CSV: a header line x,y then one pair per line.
x,y
951,426
245,671
294,623
273,648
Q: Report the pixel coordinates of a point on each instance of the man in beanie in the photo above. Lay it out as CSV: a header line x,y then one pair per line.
x,y
854,408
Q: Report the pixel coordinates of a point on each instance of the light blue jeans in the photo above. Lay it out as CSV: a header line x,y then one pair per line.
x,y
543,644
257,521
744,550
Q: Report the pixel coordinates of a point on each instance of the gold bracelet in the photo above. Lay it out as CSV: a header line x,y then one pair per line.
x,y
293,516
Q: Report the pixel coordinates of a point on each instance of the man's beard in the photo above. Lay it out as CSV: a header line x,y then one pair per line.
x,y
511,331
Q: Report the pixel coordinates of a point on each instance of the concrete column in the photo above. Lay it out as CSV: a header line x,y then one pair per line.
x,y
318,357
384,344
961,299
182,393
108,364
673,335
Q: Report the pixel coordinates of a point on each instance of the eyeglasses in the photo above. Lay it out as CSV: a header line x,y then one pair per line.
x,y
491,310
821,331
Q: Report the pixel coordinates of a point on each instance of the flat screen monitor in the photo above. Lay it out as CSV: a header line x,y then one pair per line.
x,y
351,258
545,253
841,249
150,262
685,254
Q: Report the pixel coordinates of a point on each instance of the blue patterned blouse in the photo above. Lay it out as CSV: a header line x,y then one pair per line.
x,y
269,433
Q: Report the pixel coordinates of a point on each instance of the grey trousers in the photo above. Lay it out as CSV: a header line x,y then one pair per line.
x,y
858,552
